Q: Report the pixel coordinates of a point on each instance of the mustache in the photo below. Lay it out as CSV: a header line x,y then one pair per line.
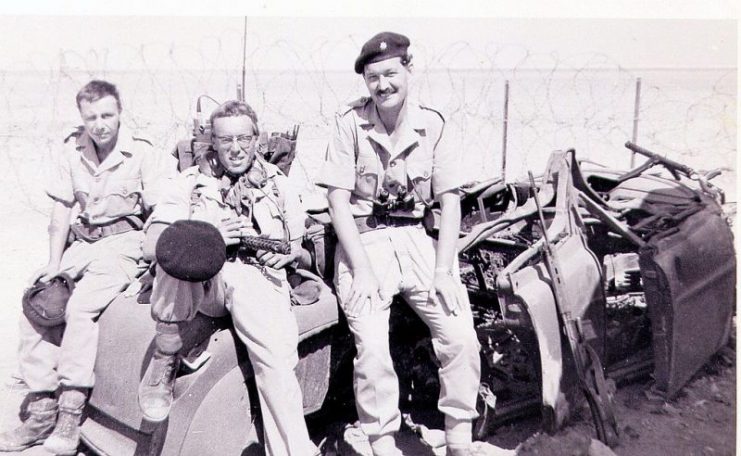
x,y
385,91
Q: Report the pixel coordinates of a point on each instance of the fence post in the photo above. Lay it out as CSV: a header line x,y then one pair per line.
x,y
635,120
504,130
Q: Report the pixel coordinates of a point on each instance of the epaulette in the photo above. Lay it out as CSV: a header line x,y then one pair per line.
x,y
75,133
435,111
136,138
357,103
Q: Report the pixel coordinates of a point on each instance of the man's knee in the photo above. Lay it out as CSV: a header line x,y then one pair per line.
x,y
457,341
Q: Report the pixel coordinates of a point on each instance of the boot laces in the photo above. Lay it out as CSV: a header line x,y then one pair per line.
x,y
163,370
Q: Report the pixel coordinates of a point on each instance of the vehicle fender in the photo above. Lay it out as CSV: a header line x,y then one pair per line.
x,y
224,420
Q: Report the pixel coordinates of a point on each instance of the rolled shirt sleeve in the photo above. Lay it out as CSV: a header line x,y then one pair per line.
x,y
158,170
59,177
295,216
173,200
338,169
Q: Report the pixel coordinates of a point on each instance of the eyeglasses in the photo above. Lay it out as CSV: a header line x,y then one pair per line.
x,y
242,140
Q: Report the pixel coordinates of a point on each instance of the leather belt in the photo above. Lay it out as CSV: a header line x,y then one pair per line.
x,y
87,232
377,222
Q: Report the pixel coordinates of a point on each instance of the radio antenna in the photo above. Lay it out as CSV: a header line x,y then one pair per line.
x,y
241,90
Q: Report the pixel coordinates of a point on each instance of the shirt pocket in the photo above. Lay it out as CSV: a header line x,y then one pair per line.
x,y
121,197
366,175
419,171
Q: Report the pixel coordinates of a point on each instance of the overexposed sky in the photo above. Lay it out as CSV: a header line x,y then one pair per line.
x,y
331,43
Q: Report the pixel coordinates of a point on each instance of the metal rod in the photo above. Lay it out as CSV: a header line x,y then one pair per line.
x,y
242,95
635,120
504,130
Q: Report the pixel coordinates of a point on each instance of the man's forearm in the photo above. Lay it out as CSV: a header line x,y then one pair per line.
x,y
58,231
450,222
150,239
346,230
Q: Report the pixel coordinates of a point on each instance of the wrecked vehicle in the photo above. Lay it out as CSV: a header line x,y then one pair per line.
x,y
578,279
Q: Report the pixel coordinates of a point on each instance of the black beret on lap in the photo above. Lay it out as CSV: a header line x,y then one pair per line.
x,y
383,46
45,303
191,250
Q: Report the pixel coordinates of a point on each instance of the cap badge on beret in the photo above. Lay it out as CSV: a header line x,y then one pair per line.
x,y
382,46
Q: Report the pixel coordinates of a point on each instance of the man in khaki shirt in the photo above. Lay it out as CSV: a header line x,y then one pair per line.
x,y
385,163
236,191
105,179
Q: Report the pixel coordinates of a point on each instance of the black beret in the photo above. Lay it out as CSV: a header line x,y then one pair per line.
x,y
383,46
45,303
191,250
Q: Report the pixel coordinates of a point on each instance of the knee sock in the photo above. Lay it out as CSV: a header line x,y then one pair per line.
x,y
168,339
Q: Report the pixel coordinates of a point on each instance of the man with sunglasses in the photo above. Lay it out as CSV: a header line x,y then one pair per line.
x,y
238,193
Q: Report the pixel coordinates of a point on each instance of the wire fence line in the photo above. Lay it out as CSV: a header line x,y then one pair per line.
x,y
585,102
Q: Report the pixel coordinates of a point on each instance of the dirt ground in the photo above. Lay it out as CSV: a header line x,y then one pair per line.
x,y
700,421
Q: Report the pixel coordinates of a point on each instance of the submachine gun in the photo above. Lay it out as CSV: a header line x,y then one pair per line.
x,y
252,244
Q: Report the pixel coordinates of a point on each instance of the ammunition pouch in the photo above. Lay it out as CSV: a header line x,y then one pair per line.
x,y
45,303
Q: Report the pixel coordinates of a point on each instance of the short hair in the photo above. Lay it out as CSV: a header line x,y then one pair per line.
x,y
97,89
234,108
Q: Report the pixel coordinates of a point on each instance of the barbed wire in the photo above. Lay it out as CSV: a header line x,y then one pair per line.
x,y
582,101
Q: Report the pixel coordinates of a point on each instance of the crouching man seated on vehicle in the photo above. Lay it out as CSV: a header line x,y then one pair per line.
x,y
239,195
106,177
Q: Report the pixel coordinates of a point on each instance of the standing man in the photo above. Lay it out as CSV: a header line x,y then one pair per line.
x,y
237,193
105,180
385,163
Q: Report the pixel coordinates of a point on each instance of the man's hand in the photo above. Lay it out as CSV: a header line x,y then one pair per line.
x,y
231,230
44,274
364,293
444,291
276,260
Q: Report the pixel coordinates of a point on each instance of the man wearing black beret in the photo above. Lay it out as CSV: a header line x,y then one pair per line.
x,y
386,162
205,212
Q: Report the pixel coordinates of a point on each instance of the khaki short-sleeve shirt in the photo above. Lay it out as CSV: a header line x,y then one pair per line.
x,y
193,195
363,158
126,183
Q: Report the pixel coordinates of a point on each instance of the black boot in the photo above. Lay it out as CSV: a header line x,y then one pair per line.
x,y
157,386
42,415
66,436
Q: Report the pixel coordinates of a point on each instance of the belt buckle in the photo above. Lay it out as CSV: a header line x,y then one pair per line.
x,y
96,233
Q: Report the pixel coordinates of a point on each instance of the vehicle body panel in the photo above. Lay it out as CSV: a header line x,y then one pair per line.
x,y
124,351
689,277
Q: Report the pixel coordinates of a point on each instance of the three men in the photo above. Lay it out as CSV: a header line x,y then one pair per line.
x,y
107,179
385,163
235,190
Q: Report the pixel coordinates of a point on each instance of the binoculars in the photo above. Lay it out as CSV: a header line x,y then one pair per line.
x,y
403,201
